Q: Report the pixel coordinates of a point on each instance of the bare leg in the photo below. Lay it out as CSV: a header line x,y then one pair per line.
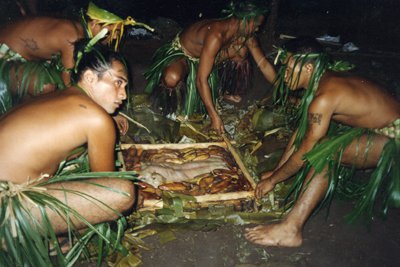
x,y
174,73
288,233
92,210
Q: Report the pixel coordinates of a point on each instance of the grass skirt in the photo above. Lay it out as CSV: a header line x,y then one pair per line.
x,y
176,100
235,78
19,74
385,178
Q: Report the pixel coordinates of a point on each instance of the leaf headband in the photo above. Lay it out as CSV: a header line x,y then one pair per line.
x,y
243,10
106,18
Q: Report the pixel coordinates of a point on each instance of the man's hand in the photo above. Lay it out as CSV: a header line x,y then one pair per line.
x,y
264,186
122,124
218,125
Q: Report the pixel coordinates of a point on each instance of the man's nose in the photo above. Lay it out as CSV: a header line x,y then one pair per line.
x,y
122,94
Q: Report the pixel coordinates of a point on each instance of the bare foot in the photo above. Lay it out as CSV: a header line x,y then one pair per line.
x,y
280,235
233,98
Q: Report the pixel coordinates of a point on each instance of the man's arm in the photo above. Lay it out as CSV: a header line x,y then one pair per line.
x,y
212,45
101,143
67,36
262,62
319,117
68,63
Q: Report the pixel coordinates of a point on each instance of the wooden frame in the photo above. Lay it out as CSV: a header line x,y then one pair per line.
x,y
202,200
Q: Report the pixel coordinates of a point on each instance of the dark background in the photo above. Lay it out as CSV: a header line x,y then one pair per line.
x,y
368,23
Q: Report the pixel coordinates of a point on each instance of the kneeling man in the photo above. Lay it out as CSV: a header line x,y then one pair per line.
x,y
368,136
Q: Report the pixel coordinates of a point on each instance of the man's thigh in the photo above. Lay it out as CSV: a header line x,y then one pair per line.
x,y
365,151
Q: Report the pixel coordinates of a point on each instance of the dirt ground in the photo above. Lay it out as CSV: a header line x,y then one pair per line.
x,y
327,242
328,239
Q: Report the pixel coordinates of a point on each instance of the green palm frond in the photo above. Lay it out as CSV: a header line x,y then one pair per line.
x,y
386,175
20,75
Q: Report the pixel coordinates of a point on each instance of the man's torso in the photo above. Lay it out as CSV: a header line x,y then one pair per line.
x,y
195,36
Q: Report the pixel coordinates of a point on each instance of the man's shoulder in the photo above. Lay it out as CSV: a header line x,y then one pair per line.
x,y
85,111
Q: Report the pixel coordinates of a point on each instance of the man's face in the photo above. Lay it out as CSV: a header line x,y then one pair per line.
x,y
110,89
255,23
296,77
251,26
258,21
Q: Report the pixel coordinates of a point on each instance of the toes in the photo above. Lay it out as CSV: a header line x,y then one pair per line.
x,y
258,227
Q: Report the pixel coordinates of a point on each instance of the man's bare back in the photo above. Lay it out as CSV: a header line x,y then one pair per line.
x,y
58,123
357,101
38,38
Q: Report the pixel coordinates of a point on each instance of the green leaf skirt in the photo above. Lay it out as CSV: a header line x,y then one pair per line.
x,y
384,180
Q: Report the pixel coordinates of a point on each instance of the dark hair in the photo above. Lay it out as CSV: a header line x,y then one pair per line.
x,y
245,9
97,58
303,45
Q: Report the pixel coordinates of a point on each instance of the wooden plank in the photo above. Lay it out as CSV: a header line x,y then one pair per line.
x,y
203,200
173,146
239,161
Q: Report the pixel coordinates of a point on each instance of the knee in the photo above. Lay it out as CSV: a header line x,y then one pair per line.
x,y
126,196
47,88
171,80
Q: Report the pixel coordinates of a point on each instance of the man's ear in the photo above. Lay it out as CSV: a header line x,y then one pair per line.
x,y
90,77
309,67
94,26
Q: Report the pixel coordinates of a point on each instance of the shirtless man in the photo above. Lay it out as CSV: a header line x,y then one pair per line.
x,y
39,39
340,98
202,45
40,133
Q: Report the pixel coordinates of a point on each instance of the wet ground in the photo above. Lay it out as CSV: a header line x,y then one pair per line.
x,y
328,239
